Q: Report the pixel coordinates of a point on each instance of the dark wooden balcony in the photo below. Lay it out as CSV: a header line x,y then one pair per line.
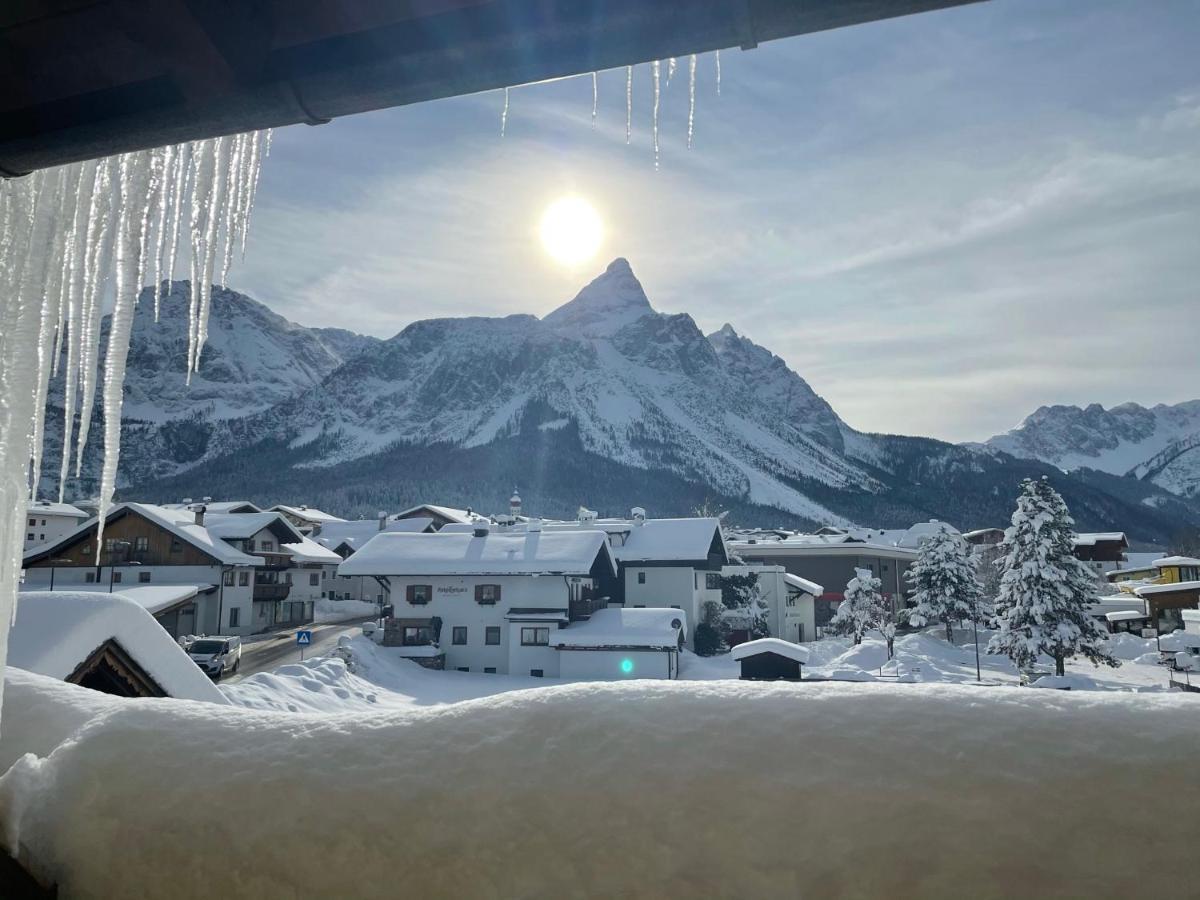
x,y
271,591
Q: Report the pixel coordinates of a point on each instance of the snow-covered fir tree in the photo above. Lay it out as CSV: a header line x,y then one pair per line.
x,y
860,611
1045,591
944,582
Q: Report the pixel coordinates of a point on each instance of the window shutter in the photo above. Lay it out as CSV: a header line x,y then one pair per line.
x,y
478,592
410,592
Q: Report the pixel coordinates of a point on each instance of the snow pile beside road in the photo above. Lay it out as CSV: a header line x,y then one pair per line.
x,y
848,789
342,610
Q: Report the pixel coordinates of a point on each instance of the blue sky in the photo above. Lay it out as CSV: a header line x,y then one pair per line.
x,y
941,221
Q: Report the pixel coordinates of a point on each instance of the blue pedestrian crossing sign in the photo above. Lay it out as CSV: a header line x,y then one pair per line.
x,y
303,638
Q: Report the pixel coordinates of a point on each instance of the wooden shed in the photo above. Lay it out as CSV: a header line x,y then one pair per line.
x,y
770,659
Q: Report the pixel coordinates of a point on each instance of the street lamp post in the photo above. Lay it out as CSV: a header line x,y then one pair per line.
x,y
975,630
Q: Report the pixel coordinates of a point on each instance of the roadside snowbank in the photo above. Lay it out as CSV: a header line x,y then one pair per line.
x,y
342,610
848,788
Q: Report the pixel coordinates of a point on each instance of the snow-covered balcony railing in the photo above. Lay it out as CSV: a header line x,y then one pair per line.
x,y
583,609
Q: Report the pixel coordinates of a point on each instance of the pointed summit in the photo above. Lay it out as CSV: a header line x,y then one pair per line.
x,y
608,303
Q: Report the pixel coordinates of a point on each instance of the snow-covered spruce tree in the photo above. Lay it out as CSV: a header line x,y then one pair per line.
x,y
944,582
1044,590
860,611
708,639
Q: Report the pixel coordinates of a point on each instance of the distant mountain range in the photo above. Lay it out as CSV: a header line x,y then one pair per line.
x,y
1160,445
604,402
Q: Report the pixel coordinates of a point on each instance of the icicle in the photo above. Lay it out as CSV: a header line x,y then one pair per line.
x,y
628,103
504,114
217,197
170,159
671,63
96,262
595,98
183,167
203,165
718,73
237,160
655,68
691,97
256,157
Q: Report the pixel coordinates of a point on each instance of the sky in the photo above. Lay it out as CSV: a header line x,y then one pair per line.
x,y
941,221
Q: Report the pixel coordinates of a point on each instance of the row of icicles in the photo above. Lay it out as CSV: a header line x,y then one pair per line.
x,y
656,79
73,238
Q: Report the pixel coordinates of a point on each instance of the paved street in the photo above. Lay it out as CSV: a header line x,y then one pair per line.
x,y
265,655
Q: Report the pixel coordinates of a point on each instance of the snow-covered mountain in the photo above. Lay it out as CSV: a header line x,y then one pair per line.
x,y
1160,444
604,402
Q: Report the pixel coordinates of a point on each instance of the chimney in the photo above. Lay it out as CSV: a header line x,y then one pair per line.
x,y
382,515
514,504
199,510
639,515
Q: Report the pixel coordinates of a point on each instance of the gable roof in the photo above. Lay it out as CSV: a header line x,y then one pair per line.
x,y
496,553
1103,537
220,507
308,513
777,646
449,513
179,522
355,534
56,631
56,509
240,526
306,550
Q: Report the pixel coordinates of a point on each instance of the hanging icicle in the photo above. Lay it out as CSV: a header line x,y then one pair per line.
x,y
671,63
718,73
628,103
691,98
504,114
655,68
65,233
595,98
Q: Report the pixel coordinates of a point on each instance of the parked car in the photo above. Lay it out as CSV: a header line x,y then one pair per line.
x,y
216,655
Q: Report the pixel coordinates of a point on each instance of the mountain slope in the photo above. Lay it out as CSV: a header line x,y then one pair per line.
x,y
1157,444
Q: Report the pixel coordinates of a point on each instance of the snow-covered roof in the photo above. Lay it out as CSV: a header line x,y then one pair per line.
x,y
446,512
240,526
537,615
154,598
179,522
791,547
308,513
670,539
355,534
56,631
980,532
1147,589
809,587
1099,537
306,550
627,628
220,507
497,553
1179,640
1125,615
770,645
915,534
45,507
1175,561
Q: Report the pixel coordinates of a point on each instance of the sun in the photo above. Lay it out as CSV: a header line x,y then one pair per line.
x,y
571,230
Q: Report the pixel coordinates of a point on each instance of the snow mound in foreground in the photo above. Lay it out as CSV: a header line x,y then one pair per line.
x,y
650,788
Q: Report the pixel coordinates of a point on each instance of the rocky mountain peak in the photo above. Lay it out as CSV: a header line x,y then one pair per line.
x,y
607,304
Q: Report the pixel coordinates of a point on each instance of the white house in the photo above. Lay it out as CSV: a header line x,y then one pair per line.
x,y
46,521
490,599
312,577
621,643
344,538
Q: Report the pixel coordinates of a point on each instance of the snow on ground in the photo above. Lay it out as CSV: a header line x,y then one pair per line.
x,y
923,790
342,610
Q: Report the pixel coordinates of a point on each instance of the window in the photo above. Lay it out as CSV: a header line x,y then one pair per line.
x,y
87,548
491,635
535,637
268,545
464,668
229,578
235,616
110,544
41,537
244,578
418,593
458,634
487,593
116,577
176,545
313,580
29,537
33,523
641,577
89,578
417,635
323,574
537,673
250,545
143,577
287,577
712,581
141,544
43,523
489,670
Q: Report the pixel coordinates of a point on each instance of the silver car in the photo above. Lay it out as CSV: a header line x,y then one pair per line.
x,y
216,655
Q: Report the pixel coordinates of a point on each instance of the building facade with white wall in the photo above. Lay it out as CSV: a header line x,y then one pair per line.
x,y
46,521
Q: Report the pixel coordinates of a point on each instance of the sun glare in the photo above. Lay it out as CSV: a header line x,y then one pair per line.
x,y
571,231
